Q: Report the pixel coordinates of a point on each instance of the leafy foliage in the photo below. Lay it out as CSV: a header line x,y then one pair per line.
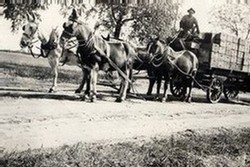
x,y
145,20
67,9
17,13
157,20
232,17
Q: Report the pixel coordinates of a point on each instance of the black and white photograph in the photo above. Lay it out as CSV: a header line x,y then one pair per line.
x,y
124,83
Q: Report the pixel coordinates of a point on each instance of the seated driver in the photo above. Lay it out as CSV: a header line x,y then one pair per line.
x,y
189,25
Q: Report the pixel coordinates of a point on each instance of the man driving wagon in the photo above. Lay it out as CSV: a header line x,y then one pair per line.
x,y
189,28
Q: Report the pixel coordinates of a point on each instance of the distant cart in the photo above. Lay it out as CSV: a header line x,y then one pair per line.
x,y
224,67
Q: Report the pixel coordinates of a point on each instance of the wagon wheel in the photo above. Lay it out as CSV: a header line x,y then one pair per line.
x,y
177,88
215,90
230,93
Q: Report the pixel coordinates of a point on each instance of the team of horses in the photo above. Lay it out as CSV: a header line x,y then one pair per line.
x,y
79,45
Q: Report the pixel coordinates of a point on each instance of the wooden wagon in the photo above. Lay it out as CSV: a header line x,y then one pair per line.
x,y
224,67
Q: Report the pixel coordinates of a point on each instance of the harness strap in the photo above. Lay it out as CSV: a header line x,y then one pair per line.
x,y
119,70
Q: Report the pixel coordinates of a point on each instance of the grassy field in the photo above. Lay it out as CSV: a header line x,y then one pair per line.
x,y
22,65
222,148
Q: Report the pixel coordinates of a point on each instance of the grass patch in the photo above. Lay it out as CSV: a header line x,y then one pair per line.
x,y
40,73
190,148
45,74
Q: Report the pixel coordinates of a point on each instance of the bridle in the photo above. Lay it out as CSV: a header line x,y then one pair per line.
x,y
48,46
80,43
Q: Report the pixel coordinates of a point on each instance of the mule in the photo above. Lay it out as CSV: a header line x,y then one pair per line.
x,y
175,65
96,53
49,49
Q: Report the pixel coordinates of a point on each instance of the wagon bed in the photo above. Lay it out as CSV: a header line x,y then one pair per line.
x,y
224,65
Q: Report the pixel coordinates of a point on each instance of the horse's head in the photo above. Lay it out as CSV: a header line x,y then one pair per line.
x,y
29,31
155,47
54,36
74,28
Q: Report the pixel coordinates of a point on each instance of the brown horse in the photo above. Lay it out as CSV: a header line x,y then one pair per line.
x,y
97,53
177,65
48,49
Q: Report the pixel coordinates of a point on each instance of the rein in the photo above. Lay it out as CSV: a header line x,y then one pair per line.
x,y
48,46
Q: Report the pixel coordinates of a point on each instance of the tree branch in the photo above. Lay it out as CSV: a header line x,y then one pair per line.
x,y
112,13
127,20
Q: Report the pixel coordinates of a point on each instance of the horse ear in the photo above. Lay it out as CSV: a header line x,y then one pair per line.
x,y
74,14
28,17
33,17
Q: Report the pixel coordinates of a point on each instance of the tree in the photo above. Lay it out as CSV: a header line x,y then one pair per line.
x,y
17,13
233,18
145,20
157,19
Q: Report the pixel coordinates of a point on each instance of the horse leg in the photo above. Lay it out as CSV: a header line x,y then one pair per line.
x,y
151,83
131,78
159,79
124,87
84,77
87,77
93,82
185,84
191,85
164,97
54,63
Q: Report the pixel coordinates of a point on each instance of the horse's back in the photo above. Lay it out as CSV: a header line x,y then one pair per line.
x,y
188,62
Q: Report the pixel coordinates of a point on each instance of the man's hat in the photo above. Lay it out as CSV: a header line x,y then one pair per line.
x,y
191,10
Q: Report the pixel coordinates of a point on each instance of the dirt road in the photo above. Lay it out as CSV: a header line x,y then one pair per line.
x,y
34,123
29,118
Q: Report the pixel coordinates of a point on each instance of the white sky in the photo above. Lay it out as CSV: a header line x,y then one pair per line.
x,y
52,18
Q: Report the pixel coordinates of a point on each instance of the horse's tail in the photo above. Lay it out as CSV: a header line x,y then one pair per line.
x,y
194,62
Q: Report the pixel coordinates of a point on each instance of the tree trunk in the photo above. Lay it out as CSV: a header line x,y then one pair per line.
x,y
248,32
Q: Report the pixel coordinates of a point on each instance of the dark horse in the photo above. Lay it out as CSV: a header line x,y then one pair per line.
x,y
175,65
97,54
143,61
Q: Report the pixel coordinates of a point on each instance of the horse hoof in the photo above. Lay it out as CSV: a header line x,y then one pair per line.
x,y
189,100
85,97
93,99
51,90
119,100
183,99
164,99
157,98
77,91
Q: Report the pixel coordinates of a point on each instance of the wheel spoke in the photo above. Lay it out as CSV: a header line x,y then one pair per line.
x,y
215,90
